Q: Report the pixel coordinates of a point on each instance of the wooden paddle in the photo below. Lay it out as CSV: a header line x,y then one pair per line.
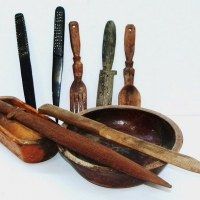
x,y
148,148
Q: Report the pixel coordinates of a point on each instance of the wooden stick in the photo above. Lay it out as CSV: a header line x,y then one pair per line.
x,y
148,148
81,144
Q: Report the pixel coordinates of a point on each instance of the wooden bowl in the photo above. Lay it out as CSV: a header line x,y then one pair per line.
x,y
142,123
26,144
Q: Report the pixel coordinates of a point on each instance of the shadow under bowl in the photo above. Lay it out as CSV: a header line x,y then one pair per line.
x,y
139,122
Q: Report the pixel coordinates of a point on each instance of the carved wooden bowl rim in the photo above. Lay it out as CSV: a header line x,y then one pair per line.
x,y
176,147
11,136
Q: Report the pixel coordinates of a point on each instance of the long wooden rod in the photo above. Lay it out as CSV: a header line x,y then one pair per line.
x,y
163,154
81,144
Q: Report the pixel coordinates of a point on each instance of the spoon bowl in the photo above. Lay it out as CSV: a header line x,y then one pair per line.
x,y
129,95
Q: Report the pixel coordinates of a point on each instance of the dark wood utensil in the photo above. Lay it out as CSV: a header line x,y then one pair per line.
x,y
80,144
129,95
58,53
78,91
24,58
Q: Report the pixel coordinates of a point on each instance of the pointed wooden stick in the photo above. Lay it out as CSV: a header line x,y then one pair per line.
x,y
81,144
148,148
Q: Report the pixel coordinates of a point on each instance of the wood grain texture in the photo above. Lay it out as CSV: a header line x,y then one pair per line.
x,y
129,94
78,90
81,144
161,153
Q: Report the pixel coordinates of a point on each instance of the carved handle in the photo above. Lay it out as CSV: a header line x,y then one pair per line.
x,y
129,42
75,45
129,47
74,38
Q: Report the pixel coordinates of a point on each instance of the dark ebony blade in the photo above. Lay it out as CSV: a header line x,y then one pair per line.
x,y
24,58
58,51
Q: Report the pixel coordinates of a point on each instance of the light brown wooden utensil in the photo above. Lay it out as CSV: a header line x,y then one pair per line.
x,y
129,95
25,143
148,148
78,91
80,144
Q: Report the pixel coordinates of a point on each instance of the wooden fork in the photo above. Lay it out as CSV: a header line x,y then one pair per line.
x,y
78,91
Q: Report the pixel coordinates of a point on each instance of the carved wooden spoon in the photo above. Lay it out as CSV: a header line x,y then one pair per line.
x,y
129,95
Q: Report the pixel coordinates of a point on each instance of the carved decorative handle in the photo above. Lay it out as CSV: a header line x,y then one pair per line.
x,y
129,48
74,38
129,43
75,45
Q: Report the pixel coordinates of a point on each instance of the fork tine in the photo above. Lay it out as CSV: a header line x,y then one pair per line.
x,y
84,101
71,101
76,101
80,102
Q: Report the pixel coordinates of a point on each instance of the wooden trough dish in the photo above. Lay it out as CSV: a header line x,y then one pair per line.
x,y
28,145
142,123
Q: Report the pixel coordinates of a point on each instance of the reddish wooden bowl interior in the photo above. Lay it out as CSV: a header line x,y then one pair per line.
x,y
142,123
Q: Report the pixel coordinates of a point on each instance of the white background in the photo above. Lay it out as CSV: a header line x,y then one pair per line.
x,y
167,64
